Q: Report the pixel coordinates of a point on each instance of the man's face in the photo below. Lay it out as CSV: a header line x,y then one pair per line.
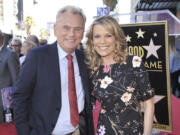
x,y
69,30
16,48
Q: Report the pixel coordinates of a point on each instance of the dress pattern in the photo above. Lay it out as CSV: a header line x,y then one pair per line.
x,y
120,88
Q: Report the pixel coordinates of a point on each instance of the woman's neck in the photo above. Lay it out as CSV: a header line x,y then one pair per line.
x,y
107,61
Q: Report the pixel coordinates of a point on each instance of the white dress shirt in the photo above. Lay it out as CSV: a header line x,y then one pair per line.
x,y
22,59
63,125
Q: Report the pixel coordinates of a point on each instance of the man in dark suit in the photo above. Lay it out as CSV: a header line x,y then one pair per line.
x,y
41,99
9,68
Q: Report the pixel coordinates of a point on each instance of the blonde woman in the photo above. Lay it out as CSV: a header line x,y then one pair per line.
x,y
120,81
26,47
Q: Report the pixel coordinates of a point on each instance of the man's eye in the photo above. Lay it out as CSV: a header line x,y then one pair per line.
x,y
66,27
77,29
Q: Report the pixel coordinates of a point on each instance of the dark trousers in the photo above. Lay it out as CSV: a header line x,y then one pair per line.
x,y
175,85
1,115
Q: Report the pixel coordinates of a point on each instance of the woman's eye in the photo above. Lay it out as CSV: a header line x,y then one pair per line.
x,y
96,36
108,35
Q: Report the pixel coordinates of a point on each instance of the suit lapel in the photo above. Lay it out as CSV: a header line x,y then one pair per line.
x,y
83,73
80,63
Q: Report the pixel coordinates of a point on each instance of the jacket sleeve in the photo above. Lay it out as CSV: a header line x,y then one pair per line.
x,y
13,66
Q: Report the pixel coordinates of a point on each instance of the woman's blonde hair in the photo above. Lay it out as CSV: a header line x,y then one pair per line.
x,y
93,59
29,45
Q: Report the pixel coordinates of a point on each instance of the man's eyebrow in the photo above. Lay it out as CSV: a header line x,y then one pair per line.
x,y
72,27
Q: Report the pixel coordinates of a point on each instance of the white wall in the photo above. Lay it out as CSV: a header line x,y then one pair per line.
x,y
9,18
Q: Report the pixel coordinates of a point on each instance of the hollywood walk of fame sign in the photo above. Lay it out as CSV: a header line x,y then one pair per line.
x,y
150,42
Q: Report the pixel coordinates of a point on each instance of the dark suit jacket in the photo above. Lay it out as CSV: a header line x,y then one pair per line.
x,y
9,68
37,93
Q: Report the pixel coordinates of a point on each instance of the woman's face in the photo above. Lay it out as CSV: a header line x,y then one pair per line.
x,y
104,42
24,49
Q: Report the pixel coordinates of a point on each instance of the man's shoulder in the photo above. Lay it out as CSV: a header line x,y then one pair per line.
x,y
45,48
79,53
7,50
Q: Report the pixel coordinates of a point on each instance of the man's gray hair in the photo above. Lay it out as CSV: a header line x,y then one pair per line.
x,y
73,10
16,41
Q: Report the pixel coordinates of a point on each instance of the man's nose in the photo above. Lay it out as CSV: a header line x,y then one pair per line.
x,y
72,31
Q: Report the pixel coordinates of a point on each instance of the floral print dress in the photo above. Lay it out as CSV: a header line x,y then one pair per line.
x,y
120,88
